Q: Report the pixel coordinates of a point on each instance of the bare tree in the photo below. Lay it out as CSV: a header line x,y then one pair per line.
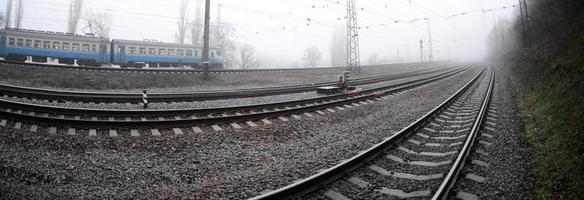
x,y
19,14
196,25
337,48
246,57
8,13
311,57
98,23
75,9
182,21
222,38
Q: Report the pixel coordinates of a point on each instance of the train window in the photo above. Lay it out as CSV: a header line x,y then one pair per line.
x,y
37,44
180,52
75,47
189,53
84,47
93,48
11,41
28,43
56,45
142,50
19,42
171,52
132,50
65,46
196,52
152,51
46,44
161,51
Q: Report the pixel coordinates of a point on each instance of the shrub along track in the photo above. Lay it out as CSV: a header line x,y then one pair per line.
x,y
89,120
426,157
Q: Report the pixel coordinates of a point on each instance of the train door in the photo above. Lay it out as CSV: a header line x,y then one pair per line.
x,y
120,54
103,53
3,44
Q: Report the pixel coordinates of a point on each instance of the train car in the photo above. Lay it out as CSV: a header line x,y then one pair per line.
x,y
132,53
17,44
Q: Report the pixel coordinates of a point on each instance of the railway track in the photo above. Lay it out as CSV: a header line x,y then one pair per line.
x,y
216,119
151,70
422,161
99,97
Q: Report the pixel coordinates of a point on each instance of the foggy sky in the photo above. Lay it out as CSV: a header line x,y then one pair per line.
x,y
280,29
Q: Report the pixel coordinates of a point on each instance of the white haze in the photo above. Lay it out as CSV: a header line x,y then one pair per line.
x,y
279,32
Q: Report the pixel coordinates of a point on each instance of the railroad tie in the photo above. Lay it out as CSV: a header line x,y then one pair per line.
x,y
284,119
196,129
296,116
134,133
235,125
216,127
155,132
34,128
466,196
335,195
71,131
3,122
177,131
266,121
402,194
92,132
113,133
52,130
251,124
476,178
480,163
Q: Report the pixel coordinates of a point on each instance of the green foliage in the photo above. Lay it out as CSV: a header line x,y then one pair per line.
x,y
553,113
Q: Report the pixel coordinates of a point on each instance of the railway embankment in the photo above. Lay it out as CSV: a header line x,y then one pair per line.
x,y
547,76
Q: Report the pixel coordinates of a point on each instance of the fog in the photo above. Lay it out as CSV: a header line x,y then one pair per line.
x,y
281,30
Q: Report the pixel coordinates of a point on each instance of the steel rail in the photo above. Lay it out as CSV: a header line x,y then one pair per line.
x,y
322,178
443,191
61,95
302,106
131,70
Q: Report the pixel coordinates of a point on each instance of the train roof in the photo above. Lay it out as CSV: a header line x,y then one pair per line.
x,y
155,44
50,35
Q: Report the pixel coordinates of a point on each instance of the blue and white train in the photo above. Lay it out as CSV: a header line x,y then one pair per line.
x,y
17,44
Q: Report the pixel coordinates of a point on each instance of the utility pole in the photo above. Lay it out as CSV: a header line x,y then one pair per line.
x,y
353,60
8,18
219,17
19,14
430,56
206,41
421,50
527,19
523,33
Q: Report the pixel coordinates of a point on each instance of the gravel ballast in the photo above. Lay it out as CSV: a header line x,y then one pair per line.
x,y
66,79
509,173
232,164
208,103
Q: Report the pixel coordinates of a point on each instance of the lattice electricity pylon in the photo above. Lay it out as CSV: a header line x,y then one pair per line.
x,y
353,61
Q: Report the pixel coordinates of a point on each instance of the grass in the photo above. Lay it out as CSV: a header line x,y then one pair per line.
x,y
553,113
